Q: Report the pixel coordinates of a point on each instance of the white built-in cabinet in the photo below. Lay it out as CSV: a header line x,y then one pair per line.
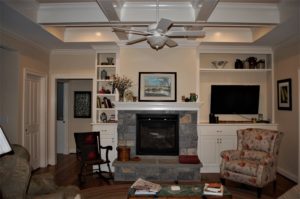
x,y
210,75
104,98
214,138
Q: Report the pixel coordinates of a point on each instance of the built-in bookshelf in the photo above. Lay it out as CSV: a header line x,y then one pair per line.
x,y
106,68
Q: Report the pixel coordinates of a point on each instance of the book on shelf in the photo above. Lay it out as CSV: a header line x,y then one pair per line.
x,y
144,187
213,189
98,102
107,102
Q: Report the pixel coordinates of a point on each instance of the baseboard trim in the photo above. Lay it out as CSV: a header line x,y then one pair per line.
x,y
287,174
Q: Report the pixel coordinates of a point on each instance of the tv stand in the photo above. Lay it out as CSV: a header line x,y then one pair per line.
x,y
214,138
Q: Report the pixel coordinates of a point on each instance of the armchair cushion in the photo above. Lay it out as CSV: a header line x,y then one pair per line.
x,y
260,156
228,155
246,167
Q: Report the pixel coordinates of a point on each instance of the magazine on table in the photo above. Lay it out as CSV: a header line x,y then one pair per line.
x,y
144,187
213,189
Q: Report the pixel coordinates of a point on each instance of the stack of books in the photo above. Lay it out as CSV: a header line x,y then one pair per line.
x,y
143,187
213,189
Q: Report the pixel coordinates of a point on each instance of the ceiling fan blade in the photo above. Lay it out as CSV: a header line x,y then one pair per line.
x,y
171,43
137,32
164,25
196,33
136,40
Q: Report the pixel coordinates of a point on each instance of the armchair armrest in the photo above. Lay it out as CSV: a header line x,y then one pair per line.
x,y
267,160
108,148
230,154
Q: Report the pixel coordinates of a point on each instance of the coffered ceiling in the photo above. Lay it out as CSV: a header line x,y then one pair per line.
x,y
85,22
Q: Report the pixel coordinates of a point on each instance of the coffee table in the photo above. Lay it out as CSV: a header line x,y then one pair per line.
x,y
186,192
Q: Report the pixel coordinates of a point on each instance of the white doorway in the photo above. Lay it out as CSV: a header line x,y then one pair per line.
x,y
62,99
34,118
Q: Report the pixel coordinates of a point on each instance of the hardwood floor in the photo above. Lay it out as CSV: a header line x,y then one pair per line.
x,y
67,168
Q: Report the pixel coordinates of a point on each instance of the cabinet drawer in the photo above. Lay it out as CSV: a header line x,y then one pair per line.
x,y
106,129
217,130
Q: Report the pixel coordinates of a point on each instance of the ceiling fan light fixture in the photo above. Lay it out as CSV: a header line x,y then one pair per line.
x,y
157,42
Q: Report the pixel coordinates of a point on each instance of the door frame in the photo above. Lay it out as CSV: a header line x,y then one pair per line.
x,y
43,78
298,126
66,117
52,111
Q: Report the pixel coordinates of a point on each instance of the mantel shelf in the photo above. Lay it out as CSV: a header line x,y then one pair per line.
x,y
158,105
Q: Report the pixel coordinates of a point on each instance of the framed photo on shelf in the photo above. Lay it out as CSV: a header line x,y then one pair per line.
x,y
157,86
82,104
284,93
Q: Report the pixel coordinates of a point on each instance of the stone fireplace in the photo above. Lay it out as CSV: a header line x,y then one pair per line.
x,y
157,133
187,130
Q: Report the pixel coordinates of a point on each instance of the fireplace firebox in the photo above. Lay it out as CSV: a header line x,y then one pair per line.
x,y
157,134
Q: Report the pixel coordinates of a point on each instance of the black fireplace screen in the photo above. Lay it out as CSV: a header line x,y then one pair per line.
x,y
157,134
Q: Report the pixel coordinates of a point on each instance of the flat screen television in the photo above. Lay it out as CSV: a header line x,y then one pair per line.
x,y
234,99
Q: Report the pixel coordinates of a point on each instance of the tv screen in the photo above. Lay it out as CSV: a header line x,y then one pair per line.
x,y
234,99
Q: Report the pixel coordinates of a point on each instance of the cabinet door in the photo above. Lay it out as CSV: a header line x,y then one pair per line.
x,y
226,143
208,150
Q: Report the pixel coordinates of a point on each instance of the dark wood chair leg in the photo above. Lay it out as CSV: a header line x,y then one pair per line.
x,y
80,175
259,190
109,171
274,185
222,181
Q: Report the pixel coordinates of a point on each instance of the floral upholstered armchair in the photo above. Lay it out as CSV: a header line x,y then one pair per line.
x,y
255,160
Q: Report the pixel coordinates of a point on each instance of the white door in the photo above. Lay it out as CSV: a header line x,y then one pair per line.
x,y
62,144
32,118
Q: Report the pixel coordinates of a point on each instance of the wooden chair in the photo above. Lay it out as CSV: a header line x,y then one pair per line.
x,y
88,151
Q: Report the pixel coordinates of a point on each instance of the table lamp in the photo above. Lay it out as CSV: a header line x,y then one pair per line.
x,y
4,144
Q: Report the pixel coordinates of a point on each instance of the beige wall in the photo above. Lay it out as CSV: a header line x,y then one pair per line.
x,y
287,64
180,60
77,124
22,55
71,64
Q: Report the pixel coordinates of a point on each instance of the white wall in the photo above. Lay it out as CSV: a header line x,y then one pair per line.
x,y
180,60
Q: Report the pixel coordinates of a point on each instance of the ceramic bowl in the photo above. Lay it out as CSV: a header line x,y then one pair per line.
x,y
219,64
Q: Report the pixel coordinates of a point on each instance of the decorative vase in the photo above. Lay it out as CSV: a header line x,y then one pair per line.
x,y
121,94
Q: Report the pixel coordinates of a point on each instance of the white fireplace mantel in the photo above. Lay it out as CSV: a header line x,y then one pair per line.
x,y
158,105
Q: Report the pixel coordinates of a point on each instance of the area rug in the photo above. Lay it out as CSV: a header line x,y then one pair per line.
x,y
119,191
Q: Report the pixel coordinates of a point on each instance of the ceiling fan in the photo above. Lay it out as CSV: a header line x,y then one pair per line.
x,y
159,33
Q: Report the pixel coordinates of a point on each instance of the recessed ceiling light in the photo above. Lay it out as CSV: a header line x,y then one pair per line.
x,y
98,34
218,34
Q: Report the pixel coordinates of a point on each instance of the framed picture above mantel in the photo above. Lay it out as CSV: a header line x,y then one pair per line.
x,y
157,86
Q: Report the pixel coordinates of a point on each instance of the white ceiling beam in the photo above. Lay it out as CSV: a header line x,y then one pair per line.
x,y
108,9
136,13
70,13
206,9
